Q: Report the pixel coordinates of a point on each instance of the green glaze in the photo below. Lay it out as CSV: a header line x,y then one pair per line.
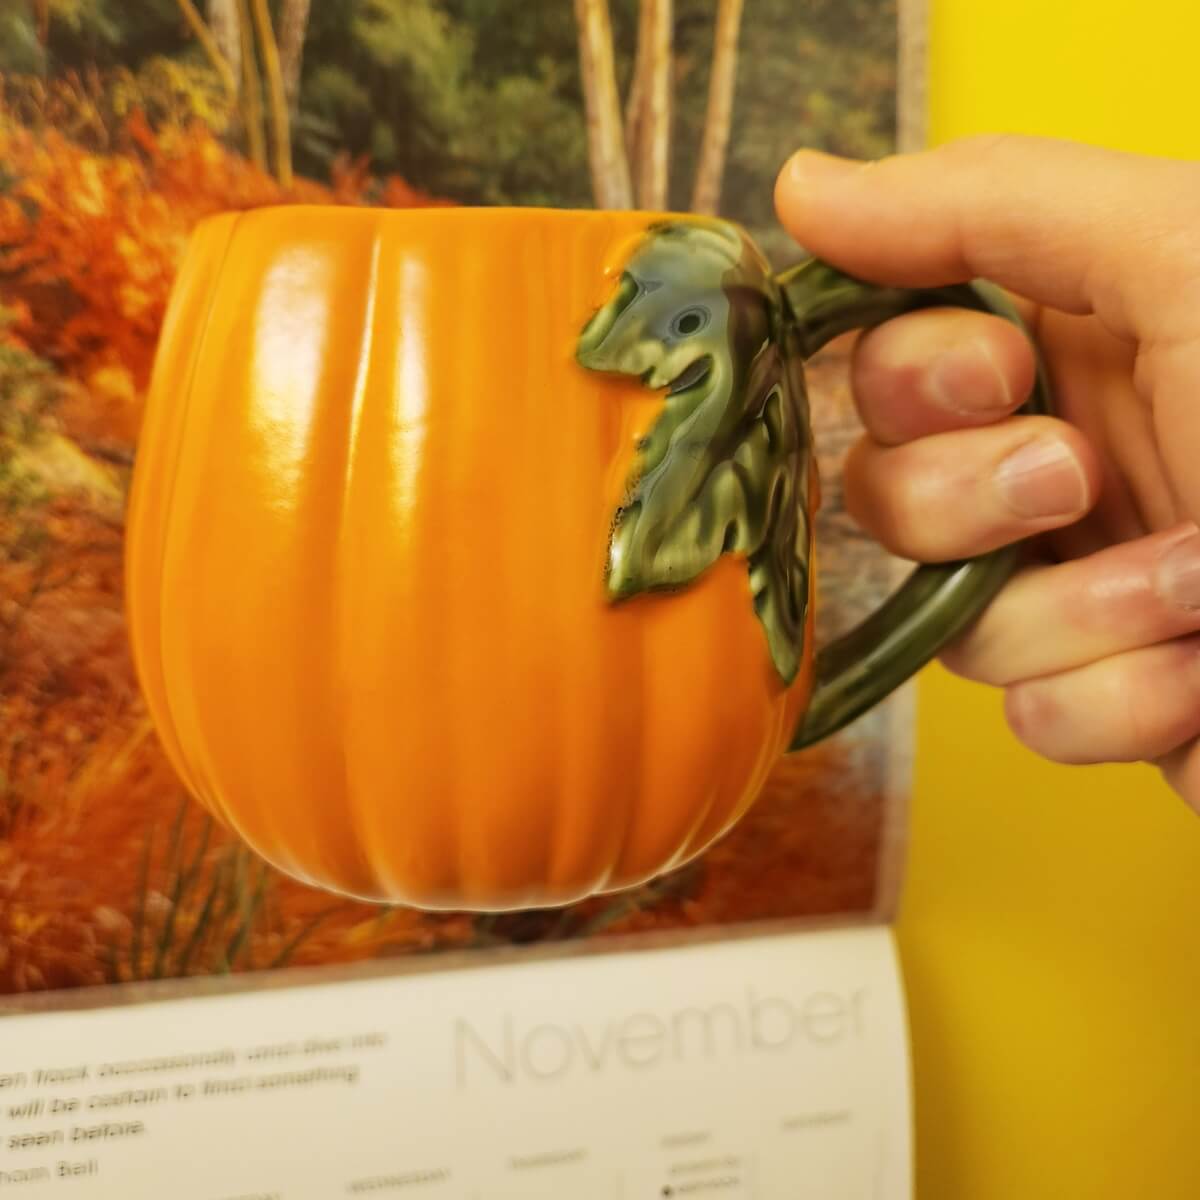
x,y
725,468
938,601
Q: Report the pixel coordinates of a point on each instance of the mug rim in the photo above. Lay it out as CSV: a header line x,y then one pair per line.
x,y
480,213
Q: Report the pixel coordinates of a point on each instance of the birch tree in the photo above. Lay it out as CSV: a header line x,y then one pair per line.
x,y
214,54
605,136
654,128
706,195
281,133
293,26
252,110
223,23
41,20
635,101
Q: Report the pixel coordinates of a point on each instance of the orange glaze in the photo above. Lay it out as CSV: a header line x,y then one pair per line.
x,y
365,568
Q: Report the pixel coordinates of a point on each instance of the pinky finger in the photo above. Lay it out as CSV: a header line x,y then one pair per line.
x,y
1181,770
1138,706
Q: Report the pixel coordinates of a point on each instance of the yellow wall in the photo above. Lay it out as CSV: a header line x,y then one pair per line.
x,y
1051,923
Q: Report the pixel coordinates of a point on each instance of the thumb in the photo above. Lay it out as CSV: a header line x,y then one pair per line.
x,y
1076,227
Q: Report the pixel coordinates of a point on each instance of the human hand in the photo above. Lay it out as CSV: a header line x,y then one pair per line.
x,y
1096,640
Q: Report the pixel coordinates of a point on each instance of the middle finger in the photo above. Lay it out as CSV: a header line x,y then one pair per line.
x,y
966,492
937,370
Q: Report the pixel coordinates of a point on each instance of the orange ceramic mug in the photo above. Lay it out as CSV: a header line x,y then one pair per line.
x,y
470,550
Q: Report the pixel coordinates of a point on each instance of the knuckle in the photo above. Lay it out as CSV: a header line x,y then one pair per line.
x,y
1158,699
972,657
1185,667
979,148
958,657
1042,721
1180,770
993,650
1117,600
883,360
1104,605
1140,716
1031,713
1033,426
891,500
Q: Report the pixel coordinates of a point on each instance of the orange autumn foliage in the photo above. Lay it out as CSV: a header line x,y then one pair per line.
x,y
92,223
90,243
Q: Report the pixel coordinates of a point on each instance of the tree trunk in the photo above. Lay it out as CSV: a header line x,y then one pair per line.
x,y
281,132
209,44
223,21
654,134
606,144
635,103
251,90
723,74
911,96
41,17
293,26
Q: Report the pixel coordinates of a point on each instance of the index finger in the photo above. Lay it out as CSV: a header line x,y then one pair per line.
x,y
1062,224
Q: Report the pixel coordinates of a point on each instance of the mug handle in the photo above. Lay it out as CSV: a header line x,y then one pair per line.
x,y
938,600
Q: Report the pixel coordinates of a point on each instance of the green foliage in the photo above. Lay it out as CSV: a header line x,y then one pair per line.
x,y
199,909
102,60
816,74
530,150
28,392
382,78
81,30
83,33
415,49
481,100
466,99
171,92
201,913
20,50
90,24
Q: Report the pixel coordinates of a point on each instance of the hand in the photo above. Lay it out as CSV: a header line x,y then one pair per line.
x,y
1097,640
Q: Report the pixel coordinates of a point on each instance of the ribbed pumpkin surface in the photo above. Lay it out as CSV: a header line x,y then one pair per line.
x,y
365,553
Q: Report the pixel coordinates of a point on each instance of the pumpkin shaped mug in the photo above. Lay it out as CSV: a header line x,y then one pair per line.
x,y
470,551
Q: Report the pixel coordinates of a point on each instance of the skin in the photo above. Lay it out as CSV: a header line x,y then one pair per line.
x,y
1096,641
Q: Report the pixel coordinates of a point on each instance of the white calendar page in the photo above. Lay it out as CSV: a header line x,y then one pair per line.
x,y
771,1068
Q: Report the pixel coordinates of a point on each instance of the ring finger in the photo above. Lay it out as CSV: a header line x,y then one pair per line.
x,y
1051,619
1137,706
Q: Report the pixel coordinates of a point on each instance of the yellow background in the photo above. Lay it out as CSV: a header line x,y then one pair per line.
x,y
1050,927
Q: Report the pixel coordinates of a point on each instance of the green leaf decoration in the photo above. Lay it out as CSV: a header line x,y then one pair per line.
x,y
725,469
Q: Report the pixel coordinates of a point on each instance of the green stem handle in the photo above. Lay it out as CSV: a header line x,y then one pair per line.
x,y
938,600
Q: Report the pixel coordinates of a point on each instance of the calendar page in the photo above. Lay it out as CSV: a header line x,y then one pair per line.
x,y
758,1067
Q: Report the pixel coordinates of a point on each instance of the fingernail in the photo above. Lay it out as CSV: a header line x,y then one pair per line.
x,y
967,380
807,165
1043,479
1177,577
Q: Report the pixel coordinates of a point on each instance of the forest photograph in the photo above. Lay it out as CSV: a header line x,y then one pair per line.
x,y
123,123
